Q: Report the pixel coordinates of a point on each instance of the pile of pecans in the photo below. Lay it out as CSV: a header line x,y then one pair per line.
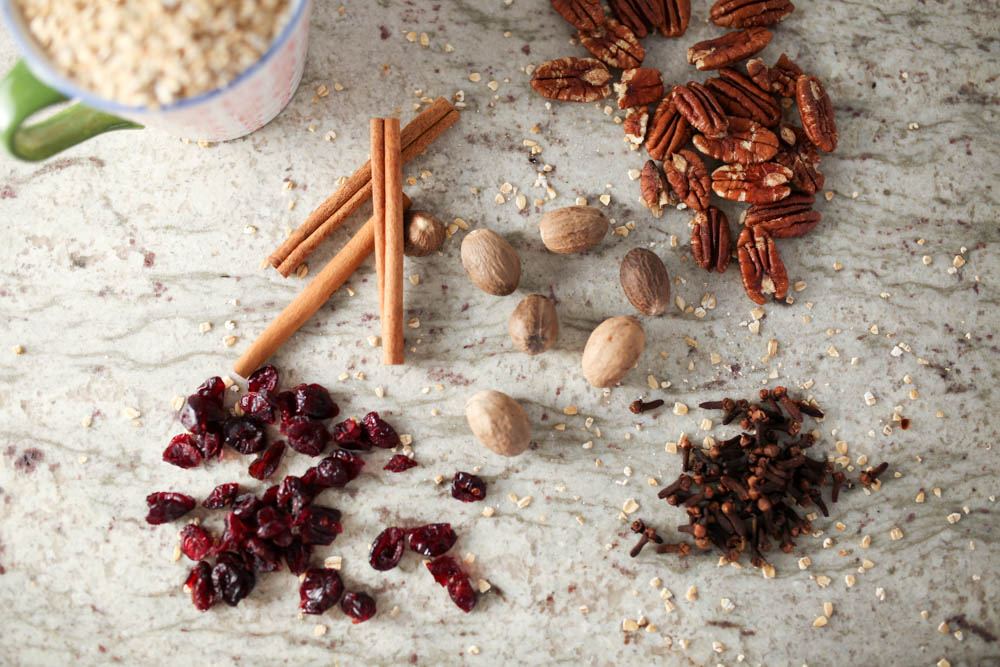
x,y
741,493
733,118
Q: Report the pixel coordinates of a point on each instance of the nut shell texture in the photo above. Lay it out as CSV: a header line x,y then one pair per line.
x,y
612,350
498,422
573,229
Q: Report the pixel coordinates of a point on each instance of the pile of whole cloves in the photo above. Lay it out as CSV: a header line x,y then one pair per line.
x,y
742,493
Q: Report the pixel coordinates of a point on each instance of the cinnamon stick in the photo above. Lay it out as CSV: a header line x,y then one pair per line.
x,y
317,292
354,185
325,228
376,129
392,305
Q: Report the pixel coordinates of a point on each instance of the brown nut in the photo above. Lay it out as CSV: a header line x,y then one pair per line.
x,y
741,96
689,178
645,281
747,13
696,103
816,112
778,79
613,44
498,422
655,190
761,267
638,15
785,219
747,143
534,325
582,14
612,350
728,49
752,183
573,229
668,131
491,262
676,16
572,80
423,233
635,123
711,243
641,85
800,155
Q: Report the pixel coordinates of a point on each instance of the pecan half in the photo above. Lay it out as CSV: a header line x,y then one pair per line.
x,y
639,15
613,44
572,80
728,49
785,219
640,85
753,183
711,243
583,14
740,96
761,267
800,155
655,191
635,123
816,112
689,178
778,79
668,130
747,13
676,17
697,104
747,143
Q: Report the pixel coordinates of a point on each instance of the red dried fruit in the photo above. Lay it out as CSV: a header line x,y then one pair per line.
x,y
244,434
467,487
432,540
306,435
274,524
182,452
165,506
380,432
258,406
235,534
221,496
209,444
195,542
200,414
359,606
285,404
349,435
264,379
297,557
444,569
337,470
270,497
313,400
265,464
231,578
400,463
214,389
318,525
462,593
261,555
320,589
387,549
294,494
245,507
199,582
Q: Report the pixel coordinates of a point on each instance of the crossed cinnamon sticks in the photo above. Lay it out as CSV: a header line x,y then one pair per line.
x,y
402,146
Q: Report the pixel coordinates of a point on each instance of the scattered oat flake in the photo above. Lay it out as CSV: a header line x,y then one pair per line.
x,y
896,534
692,594
820,622
680,409
630,506
488,512
823,581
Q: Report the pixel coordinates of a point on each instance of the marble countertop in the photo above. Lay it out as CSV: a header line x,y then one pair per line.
x,y
114,253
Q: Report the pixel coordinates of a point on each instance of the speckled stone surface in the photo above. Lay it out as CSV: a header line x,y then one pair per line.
x,y
115,251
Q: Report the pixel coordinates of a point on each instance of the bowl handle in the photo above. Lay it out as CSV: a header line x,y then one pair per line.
x,y
21,95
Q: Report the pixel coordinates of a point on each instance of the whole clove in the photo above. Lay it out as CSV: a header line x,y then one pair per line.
x,y
639,406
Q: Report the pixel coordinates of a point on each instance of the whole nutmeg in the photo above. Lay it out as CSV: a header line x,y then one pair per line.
x,y
573,229
423,233
491,262
612,350
645,281
499,422
534,325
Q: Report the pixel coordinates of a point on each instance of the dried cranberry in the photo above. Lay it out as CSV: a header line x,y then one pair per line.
x,y
182,452
297,556
166,506
432,540
305,435
263,380
349,435
265,464
195,542
272,524
257,406
462,593
359,606
231,578
235,534
200,414
467,487
320,589
214,389
400,463
444,569
244,434
294,494
221,496
313,400
337,469
245,507
379,432
387,549
261,555
285,404
199,582
209,444
318,525
270,497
